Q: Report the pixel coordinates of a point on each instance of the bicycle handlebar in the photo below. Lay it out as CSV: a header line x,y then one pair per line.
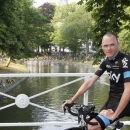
x,y
86,111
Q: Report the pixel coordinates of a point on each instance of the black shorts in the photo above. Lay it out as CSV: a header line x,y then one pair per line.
x,y
112,103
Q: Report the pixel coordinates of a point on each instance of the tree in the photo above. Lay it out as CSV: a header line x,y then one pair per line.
x,y
47,10
72,24
35,28
11,31
109,16
61,13
22,28
124,35
77,28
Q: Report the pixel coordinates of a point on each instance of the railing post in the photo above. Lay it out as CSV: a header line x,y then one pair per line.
x,y
85,100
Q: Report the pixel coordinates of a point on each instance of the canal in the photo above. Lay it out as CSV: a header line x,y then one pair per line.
x,y
52,100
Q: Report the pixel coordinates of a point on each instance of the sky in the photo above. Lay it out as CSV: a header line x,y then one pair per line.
x,y
38,3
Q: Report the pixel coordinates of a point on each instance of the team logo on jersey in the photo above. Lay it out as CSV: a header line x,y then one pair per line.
x,y
124,62
108,66
115,67
113,76
116,62
99,69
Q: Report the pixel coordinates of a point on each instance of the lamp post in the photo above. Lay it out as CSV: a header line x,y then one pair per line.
x,y
87,46
87,43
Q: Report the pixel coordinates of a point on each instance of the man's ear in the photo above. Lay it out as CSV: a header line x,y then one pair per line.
x,y
101,47
118,44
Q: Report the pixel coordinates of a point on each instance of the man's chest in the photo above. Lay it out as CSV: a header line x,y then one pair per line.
x,y
114,70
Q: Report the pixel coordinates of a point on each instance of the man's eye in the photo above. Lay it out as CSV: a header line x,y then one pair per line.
x,y
105,46
112,45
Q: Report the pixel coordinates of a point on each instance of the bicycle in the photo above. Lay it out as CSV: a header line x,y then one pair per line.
x,y
85,114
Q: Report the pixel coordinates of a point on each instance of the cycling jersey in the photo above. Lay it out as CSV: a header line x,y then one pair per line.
x,y
118,70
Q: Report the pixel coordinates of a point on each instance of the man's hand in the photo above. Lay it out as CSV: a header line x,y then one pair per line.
x,y
66,102
108,114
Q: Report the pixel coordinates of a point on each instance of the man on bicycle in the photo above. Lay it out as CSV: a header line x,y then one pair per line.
x,y
117,65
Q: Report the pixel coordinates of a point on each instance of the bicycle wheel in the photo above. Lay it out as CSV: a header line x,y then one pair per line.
x,y
76,128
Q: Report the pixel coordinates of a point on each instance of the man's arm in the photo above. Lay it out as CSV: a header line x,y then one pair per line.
x,y
84,87
122,104
124,100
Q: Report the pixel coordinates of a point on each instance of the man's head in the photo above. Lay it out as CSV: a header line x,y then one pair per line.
x,y
110,44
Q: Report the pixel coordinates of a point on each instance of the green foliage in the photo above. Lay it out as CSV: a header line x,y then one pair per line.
x,y
11,25
72,26
47,11
61,13
124,38
124,35
109,15
22,28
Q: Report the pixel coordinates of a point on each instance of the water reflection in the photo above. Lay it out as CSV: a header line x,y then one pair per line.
x,y
58,67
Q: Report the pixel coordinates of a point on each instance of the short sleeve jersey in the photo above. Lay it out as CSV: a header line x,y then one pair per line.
x,y
118,70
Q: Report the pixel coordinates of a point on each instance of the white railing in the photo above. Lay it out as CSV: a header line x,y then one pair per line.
x,y
22,100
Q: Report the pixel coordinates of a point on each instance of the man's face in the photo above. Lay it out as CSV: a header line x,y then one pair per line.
x,y
110,45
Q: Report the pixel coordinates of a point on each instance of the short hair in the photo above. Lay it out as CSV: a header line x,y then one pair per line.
x,y
110,34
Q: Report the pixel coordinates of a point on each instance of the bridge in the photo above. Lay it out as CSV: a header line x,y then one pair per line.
x,y
23,101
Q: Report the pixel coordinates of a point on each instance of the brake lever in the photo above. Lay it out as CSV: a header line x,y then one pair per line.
x,y
67,106
118,125
64,110
79,119
88,111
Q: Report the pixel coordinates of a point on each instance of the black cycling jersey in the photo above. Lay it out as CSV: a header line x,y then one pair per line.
x,y
118,69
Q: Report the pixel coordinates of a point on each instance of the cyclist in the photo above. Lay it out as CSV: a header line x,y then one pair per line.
x,y
117,65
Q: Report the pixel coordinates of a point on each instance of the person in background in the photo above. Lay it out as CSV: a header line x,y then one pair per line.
x,y
2,85
10,80
117,65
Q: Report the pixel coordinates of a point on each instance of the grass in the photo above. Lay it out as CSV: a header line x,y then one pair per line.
x,y
12,68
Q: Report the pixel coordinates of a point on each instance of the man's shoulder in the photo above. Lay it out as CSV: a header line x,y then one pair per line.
x,y
125,61
125,58
124,55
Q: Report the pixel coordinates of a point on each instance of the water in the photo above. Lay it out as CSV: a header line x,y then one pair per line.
x,y
52,100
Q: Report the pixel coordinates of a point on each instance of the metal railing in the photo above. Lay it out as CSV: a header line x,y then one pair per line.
x,y
22,100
